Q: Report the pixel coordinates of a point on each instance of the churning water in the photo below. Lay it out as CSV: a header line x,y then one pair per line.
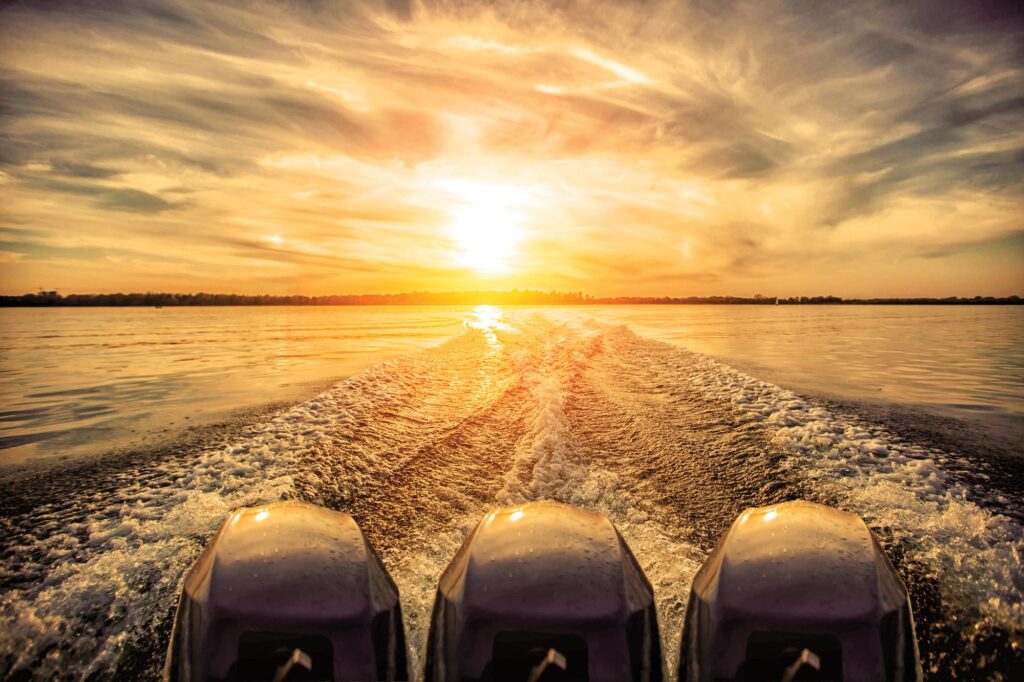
x,y
521,405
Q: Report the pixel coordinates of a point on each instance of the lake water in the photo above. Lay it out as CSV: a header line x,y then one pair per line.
x,y
80,380
960,361
670,420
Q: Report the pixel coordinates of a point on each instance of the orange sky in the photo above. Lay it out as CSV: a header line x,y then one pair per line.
x,y
618,148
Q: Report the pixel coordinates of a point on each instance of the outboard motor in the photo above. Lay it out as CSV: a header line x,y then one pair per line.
x,y
289,591
798,591
543,591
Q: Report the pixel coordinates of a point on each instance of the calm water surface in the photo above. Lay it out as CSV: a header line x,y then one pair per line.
x,y
79,380
960,361
85,380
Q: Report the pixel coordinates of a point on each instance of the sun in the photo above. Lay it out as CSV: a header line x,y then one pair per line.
x,y
486,225
486,237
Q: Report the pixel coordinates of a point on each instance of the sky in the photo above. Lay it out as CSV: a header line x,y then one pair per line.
x,y
647,148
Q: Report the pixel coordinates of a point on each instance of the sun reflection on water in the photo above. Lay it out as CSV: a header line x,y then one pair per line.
x,y
487,319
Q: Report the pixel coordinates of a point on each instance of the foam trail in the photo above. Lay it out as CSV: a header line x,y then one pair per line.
x,y
671,445
548,464
975,554
101,581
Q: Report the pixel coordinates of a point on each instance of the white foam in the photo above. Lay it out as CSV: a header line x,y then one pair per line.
x,y
975,553
108,580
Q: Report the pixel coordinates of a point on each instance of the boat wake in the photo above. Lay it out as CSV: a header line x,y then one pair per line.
x,y
670,444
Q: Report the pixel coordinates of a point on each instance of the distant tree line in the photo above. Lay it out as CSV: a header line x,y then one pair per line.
x,y
511,297
805,300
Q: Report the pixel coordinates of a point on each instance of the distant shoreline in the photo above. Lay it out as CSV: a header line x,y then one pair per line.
x,y
424,298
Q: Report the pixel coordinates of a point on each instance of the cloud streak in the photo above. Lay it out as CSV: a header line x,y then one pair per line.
x,y
669,148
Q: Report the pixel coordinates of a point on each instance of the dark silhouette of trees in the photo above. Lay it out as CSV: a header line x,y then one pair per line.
x,y
512,297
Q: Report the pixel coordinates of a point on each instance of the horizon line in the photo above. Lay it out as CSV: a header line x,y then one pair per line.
x,y
44,298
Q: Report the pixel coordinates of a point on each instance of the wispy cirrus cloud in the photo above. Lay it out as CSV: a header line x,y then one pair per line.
x,y
673,148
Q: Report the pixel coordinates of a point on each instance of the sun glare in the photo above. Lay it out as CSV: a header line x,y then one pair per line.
x,y
486,225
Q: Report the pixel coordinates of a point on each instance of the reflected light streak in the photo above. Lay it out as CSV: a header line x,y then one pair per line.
x,y
487,319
